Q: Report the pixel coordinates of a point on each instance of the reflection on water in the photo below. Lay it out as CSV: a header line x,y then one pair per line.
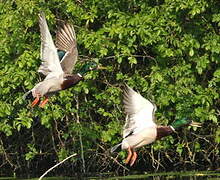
x,y
210,175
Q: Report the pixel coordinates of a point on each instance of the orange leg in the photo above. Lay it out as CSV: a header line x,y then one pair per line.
x,y
133,158
129,155
35,101
43,102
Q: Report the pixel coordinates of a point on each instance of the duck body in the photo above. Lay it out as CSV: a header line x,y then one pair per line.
x,y
146,136
140,128
51,86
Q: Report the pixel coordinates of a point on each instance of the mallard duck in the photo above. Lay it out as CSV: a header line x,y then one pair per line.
x,y
57,63
140,128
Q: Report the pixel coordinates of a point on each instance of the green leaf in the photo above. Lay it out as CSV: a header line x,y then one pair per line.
x,y
191,52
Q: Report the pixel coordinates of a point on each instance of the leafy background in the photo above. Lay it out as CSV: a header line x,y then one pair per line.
x,y
167,50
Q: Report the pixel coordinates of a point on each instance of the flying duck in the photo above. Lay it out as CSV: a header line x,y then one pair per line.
x,y
140,128
58,61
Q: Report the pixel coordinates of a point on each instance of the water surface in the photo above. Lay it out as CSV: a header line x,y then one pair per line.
x,y
194,175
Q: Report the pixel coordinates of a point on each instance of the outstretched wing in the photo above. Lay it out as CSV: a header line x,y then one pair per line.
x,y
66,41
139,112
50,65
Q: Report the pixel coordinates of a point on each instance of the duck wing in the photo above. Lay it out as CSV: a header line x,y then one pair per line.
x,y
66,41
50,65
139,112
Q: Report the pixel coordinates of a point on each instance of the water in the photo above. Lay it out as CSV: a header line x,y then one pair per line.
x,y
210,175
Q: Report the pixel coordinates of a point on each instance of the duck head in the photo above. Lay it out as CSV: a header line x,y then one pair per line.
x,y
90,66
184,122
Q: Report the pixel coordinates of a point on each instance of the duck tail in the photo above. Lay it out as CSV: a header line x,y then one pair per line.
x,y
28,95
115,147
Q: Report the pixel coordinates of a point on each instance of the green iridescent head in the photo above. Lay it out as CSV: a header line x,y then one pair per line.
x,y
88,67
181,123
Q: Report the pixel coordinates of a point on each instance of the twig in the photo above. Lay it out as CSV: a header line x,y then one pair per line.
x,y
134,55
58,134
80,135
202,137
56,165
6,156
155,161
114,159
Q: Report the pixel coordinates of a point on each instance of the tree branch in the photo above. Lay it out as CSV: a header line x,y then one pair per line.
x,y
56,165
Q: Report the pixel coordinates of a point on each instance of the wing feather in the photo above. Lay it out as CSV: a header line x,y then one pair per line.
x,y
139,112
66,41
50,60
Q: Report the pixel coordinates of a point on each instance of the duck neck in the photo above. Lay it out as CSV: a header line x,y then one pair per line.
x,y
71,80
163,131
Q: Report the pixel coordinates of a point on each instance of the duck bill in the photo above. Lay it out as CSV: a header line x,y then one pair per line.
x,y
101,67
195,124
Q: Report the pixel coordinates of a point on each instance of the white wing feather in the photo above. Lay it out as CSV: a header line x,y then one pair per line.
x,y
50,65
139,112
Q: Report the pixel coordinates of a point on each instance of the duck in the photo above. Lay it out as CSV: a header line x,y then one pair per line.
x,y
58,61
140,128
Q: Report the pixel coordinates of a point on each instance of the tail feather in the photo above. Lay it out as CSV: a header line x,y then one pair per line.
x,y
28,95
115,147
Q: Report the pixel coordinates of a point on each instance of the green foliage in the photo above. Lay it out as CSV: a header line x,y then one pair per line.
x,y
217,136
110,134
167,50
32,152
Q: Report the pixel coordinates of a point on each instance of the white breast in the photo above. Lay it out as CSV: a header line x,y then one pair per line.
x,y
143,137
